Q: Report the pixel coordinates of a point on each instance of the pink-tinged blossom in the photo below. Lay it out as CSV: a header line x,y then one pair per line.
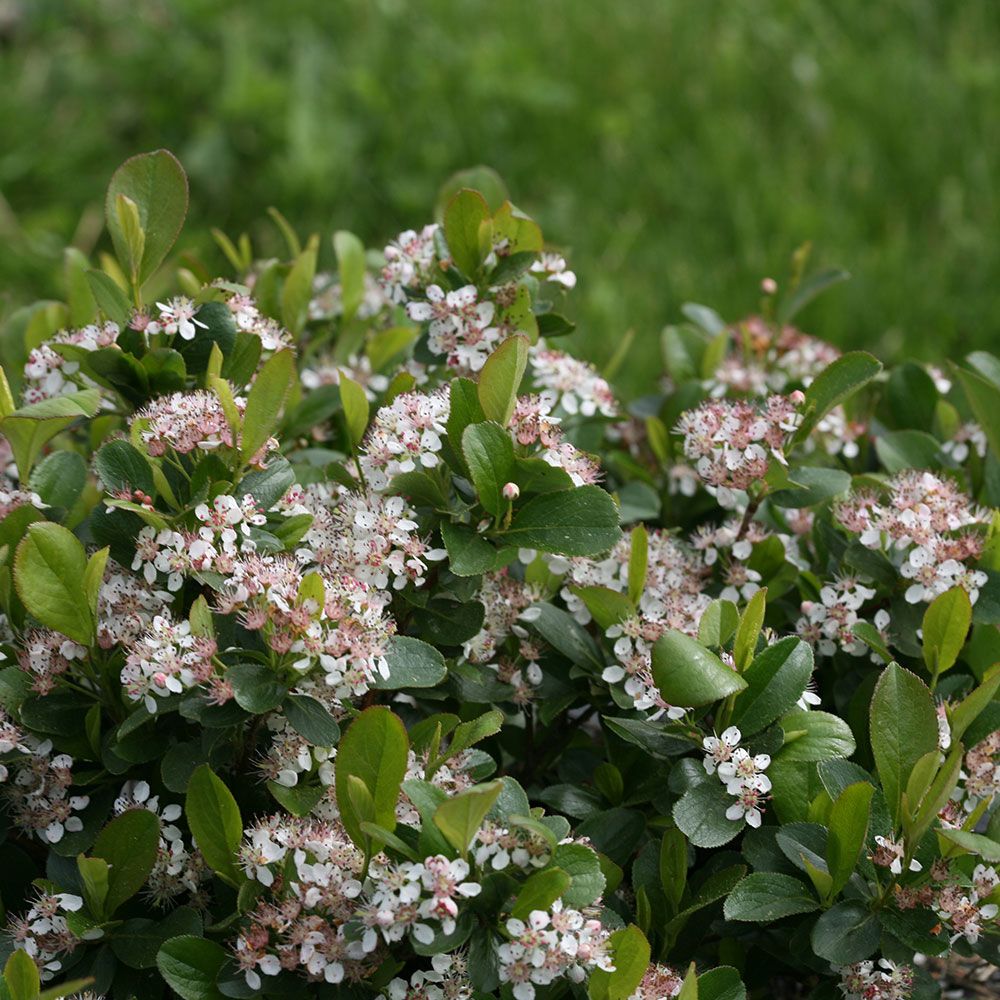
x,y
409,263
928,526
552,267
574,384
732,443
460,325
404,437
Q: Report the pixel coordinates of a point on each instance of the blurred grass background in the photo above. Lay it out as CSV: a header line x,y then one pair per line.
x,y
677,150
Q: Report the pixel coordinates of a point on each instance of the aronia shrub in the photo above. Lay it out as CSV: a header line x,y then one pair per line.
x,y
361,643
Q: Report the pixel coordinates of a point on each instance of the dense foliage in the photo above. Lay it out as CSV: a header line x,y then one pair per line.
x,y
674,147
360,642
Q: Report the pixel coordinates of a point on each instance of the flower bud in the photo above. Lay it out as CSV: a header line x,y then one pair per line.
x,y
798,397
769,286
511,491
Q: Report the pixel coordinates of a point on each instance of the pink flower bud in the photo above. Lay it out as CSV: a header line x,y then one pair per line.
x,y
798,397
769,286
511,491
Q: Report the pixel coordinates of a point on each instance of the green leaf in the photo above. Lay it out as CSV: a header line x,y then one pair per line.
x,y
94,878
489,455
138,940
465,409
723,983
608,607
129,844
984,399
587,881
908,449
59,479
815,736
49,571
580,522
265,401
460,816
810,486
984,848
469,554
637,563
123,467
157,185
718,624
351,271
837,382
962,715
79,297
775,682
412,664
20,975
110,297
700,814
748,632
214,819
311,720
30,427
765,896
256,687
500,379
468,230
355,403
689,675
630,955
566,635
946,624
903,729
809,290
299,800
191,965
848,832
297,290
374,749
540,891
847,933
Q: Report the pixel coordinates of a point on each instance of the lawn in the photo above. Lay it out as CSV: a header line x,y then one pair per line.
x,y
677,150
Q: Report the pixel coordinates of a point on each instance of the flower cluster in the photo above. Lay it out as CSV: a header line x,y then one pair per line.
x,y
929,525
53,368
185,421
370,536
732,443
44,933
409,263
741,773
672,598
559,943
828,624
868,981
659,983
404,437
461,327
575,384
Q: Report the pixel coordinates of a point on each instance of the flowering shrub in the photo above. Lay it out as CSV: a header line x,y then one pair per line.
x,y
359,642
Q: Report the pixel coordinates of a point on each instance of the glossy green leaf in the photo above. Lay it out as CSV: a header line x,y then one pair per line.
x,y
49,572
580,522
489,455
946,624
460,816
374,749
214,819
903,729
500,379
157,185
766,896
689,675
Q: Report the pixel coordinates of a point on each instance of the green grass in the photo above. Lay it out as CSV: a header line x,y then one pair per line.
x,y
680,150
